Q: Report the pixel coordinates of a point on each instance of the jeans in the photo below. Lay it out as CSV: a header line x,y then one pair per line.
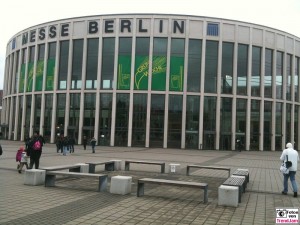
x,y
291,175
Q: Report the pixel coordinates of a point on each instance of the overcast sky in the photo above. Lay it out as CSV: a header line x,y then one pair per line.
x,y
17,15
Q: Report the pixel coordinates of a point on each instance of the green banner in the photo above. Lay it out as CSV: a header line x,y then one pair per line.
x,y
30,77
124,66
39,75
22,78
50,74
141,72
176,73
159,67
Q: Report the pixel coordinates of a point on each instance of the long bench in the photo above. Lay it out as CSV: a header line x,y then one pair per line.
x,y
242,172
161,164
206,167
236,181
141,182
71,168
109,166
51,178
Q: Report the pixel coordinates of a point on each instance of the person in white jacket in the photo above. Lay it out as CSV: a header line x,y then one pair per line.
x,y
292,156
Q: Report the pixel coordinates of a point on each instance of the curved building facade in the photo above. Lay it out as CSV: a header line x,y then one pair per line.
x,y
168,81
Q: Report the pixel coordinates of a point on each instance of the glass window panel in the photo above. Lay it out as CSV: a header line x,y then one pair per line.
x,y
296,78
141,63
60,114
296,130
192,122
50,66
227,67
267,125
122,116
77,63
92,63
209,122
288,123
20,125
176,65
159,64
211,67
254,124
226,123
194,65
256,68
241,106
278,126
157,120
89,115
289,77
105,115
48,116
139,119
279,74
37,112
39,73
268,73
63,65
242,69
27,115
108,55
175,121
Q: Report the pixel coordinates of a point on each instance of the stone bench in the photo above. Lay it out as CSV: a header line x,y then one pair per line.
x,y
141,182
34,177
120,185
80,167
108,166
51,178
238,182
206,167
242,172
161,164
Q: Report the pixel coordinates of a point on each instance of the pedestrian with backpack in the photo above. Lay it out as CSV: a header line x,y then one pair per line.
x,y
36,143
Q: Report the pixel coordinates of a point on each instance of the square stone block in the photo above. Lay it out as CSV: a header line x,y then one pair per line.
x,y
34,177
228,196
84,168
118,164
120,185
174,168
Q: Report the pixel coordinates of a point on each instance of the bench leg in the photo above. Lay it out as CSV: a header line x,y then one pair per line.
x,y
110,166
187,170
92,168
127,166
102,183
162,170
240,193
140,189
50,180
205,195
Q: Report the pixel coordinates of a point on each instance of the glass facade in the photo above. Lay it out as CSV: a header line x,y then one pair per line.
x,y
155,87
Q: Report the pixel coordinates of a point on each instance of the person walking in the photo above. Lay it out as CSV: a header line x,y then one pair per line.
x,y
289,154
24,159
93,144
84,142
35,145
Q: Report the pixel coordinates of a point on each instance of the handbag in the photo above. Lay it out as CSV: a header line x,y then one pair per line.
x,y
284,168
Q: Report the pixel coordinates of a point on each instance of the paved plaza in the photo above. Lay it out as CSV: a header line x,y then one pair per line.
x,y
76,201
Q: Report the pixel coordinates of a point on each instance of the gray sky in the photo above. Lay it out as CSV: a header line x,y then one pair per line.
x,y
18,15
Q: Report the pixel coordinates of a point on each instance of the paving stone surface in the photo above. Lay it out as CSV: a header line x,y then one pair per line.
x,y
76,201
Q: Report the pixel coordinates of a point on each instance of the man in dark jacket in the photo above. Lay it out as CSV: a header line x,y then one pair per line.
x,y
35,145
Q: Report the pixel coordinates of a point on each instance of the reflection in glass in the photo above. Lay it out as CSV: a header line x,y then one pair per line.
x,y
278,126
159,64
89,115
105,119
211,67
241,106
256,68
63,65
254,125
227,67
107,70
289,77
77,64
268,73
174,121
194,65
60,114
242,69
48,116
92,63
279,74
296,78
192,122
288,123
122,116
267,125
139,119
225,123
157,120
209,122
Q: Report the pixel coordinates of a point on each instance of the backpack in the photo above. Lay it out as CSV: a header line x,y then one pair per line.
x,y
37,145
18,156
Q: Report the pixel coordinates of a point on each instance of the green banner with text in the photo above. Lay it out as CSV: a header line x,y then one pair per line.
x,y
141,72
124,70
50,74
176,73
22,78
159,68
30,77
39,75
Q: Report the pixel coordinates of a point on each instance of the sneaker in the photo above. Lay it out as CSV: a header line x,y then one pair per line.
x,y
295,194
284,193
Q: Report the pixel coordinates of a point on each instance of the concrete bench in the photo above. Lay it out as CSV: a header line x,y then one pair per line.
x,y
242,172
71,168
108,166
206,167
161,164
236,181
141,182
51,178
